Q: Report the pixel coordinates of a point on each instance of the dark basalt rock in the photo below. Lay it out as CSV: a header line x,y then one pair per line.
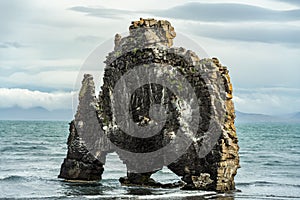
x,y
146,181
201,165
79,164
83,162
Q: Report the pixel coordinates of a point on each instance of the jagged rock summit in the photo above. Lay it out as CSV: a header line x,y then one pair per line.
x,y
158,106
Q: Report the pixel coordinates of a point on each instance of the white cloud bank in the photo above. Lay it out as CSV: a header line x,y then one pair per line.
x,y
25,98
273,101
261,100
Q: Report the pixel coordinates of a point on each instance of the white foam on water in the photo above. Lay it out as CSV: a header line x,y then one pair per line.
x,y
177,195
109,196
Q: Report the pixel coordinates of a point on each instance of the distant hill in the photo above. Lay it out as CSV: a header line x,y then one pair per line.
x,y
254,117
37,113
296,116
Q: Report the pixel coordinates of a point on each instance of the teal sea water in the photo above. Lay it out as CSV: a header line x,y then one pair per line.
x,y
32,152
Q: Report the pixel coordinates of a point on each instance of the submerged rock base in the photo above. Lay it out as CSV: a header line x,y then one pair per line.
x,y
210,159
146,181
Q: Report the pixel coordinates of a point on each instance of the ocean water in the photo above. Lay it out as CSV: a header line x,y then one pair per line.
x,y
32,152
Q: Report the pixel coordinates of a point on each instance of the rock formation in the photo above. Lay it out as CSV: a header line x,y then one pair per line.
x,y
186,101
83,162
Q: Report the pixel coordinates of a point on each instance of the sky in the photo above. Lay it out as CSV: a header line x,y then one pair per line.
x,y
44,46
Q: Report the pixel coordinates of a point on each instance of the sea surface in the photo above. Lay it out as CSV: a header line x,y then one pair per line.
x,y
32,152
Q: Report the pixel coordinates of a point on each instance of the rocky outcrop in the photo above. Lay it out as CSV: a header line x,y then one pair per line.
x,y
228,142
85,159
159,106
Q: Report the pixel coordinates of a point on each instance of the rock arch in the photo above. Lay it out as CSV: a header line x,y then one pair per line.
x,y
149,44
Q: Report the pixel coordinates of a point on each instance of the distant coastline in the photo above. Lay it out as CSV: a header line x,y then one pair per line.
x,y
42,114
242,117
35,114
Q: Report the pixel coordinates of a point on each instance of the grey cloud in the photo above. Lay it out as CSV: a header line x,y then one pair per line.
x,y
11,45
209,12
228,12
295,2
101,12
268,30
251,33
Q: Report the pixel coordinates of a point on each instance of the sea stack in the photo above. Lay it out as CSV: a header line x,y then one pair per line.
x,y
158,106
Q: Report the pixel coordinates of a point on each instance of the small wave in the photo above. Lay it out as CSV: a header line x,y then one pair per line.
x,y
267,183
124,196
200,195
279,163
9,148
14,178
31,143
22,148
267,197
273,163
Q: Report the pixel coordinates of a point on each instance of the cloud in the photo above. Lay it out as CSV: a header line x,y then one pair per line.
x,y
228,12
101,12
229,21
63,80
11,45
25,98
293,2
272,101
253,32
205,12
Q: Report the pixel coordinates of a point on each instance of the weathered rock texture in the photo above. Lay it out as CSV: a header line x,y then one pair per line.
x,y
84,162
149,44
